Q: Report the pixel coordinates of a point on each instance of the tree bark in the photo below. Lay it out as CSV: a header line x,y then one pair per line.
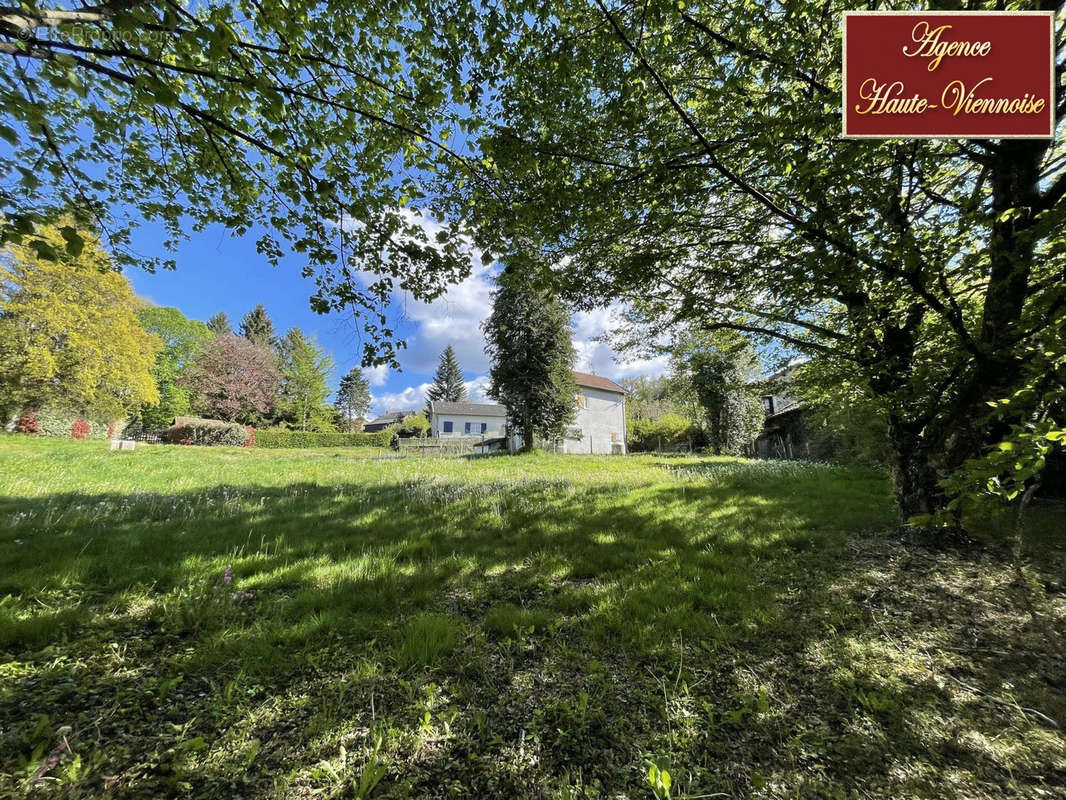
x,y
913,472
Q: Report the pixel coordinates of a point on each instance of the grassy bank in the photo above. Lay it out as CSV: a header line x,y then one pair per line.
x,y
214,622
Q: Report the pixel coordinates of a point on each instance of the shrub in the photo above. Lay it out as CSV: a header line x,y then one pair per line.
x,y
208,432
276,438
27,422
666,432
250,440
62,424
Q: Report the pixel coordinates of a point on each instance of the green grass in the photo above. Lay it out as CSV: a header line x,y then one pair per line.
x,y
226,622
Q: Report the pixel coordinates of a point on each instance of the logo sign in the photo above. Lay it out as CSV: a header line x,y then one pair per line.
x,y
949,75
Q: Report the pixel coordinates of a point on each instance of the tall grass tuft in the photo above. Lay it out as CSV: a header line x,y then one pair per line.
x,y
426,639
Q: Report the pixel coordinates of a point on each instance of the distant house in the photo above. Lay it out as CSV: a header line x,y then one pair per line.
x,y
385,420
600,425
785,432
456,420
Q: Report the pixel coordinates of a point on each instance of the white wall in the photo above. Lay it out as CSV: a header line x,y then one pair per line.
x,y
604,415
495,425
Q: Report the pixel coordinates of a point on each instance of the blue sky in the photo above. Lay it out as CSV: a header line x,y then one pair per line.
x,y
218,272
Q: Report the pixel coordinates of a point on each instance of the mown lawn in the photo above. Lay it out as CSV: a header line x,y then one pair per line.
x,y
231,623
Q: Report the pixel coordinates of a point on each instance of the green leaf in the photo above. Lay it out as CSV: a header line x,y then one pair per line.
x,y
75,244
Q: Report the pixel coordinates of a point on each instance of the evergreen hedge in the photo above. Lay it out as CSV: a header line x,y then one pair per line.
x,y
209,432
280,438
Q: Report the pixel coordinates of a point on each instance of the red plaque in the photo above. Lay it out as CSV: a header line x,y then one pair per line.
x,y
949,75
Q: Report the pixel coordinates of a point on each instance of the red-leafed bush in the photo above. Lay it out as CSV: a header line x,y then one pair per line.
x,y
79,429
111,430
250,441
27,422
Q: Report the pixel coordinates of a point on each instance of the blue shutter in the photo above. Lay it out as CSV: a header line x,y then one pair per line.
x,y
484,426
448,426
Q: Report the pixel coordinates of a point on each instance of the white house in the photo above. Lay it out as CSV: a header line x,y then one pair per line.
x,y
600,425
481,420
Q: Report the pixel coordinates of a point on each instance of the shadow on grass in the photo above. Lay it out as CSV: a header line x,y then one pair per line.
x,y
708,618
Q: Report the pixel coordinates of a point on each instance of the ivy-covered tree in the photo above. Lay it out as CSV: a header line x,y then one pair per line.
x,y
258,328
305,370
927,272
69,333
233,379
353,397
722,370
219,325
448,384
182,340
528,340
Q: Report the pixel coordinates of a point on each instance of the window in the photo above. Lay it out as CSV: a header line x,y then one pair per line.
x,y
614,437
448,426
484,426
581,401
468,427
768,404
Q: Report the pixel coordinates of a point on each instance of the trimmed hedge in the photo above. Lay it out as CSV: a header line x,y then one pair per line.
x,y
210,432
281,438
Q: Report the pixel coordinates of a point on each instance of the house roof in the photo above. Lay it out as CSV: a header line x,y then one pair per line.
x,y
469,409
597,382
391,416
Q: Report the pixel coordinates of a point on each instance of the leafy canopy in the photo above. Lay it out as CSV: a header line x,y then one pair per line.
x,y
233,379
182,340
69,333
323,122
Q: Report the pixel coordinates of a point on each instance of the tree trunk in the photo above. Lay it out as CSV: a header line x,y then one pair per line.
x,y
913,472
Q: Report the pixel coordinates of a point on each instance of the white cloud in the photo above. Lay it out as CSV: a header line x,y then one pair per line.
x,y
376,376
477,389
413,398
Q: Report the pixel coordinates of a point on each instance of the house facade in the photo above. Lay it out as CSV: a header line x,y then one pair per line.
x,y
600,424
466,420
598,427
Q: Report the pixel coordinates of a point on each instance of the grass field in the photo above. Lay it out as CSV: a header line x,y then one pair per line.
x,y
235,623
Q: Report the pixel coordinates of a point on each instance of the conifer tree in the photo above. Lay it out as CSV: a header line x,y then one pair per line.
x,y
220,325
448,385
305,368
258,328
529,343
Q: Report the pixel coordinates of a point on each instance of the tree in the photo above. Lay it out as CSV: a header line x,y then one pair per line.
x,y
69,334
647,397
182,340
232,379
258,328
527,339
353,397
448,385
928,272
722,370
220,325
305,370
278,115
